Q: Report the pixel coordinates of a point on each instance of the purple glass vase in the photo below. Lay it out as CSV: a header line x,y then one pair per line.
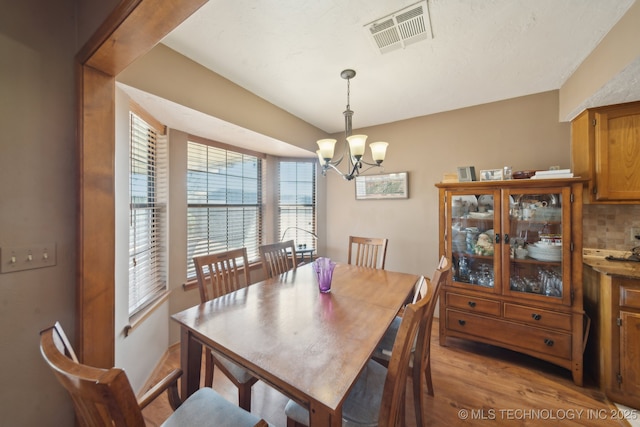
x,y
324,270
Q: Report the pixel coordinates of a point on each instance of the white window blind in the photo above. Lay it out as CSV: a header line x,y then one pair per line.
x,y
147,224
224,202
297,201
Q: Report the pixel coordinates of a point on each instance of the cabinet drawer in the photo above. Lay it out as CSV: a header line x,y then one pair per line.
x,y
630,296
553,343
537,317
470,303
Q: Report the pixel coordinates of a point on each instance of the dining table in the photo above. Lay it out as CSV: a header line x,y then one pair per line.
x,y
310,346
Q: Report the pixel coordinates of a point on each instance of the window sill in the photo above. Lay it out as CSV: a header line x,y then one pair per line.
x,y
137,319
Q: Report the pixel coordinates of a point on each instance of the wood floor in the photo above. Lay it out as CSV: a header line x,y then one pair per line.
x,y
475,384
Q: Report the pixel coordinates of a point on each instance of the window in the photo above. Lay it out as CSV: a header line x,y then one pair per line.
x,y
297,201
147,213
224,201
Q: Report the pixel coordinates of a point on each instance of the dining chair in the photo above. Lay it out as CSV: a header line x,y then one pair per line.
x,y
104,397
219,274
378,396
278,258
421,370
367,251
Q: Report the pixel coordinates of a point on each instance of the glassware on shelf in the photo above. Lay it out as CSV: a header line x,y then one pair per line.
x,y
463,268
547,282
471,238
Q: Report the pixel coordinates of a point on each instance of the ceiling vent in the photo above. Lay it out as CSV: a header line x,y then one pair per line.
x,y
401,28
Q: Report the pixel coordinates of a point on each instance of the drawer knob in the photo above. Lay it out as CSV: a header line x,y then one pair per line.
x,y
472,304
536,316
462,322
548,342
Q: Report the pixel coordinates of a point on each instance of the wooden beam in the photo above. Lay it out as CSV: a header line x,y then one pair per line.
x,y
132,29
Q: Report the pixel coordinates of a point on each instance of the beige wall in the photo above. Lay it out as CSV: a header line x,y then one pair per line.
x,y
523,133
38,186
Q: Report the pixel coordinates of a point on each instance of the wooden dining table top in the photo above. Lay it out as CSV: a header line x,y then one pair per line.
x,y
309,345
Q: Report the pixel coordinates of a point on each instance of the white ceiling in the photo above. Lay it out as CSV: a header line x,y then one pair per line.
x,y
291,53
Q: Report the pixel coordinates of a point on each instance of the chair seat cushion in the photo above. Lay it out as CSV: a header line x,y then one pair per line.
x,y
238,372
362,406
383,350
206,407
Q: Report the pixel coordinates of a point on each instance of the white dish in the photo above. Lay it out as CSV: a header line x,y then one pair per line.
x,y
544,257
480,215
545,254
547,247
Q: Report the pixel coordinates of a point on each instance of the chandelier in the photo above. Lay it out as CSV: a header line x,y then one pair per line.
x,y
354,145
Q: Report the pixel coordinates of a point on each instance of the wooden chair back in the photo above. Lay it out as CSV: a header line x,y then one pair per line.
x,y
101,397
421,369
278,258
367,252
393,396
221,273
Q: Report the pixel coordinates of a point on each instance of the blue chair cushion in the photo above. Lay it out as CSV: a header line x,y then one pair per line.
x,y
383,350
239,373
205,408
362,406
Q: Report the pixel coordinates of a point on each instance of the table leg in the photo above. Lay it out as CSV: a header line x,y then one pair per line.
x,y
190,362
320,416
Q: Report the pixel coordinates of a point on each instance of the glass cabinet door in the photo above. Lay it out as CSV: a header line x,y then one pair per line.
x,y
536,242
473,222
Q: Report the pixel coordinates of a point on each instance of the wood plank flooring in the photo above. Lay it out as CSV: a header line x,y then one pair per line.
x,y
475,384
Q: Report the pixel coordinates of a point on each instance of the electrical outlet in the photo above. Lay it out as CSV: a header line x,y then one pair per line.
x,y
635,234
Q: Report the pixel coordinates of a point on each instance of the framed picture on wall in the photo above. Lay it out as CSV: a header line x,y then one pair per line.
x,y
385,186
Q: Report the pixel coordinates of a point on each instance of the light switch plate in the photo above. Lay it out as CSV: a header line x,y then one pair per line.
x,y
19,258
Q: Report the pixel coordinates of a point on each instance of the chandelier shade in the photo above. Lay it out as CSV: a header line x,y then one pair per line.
x,y
354,145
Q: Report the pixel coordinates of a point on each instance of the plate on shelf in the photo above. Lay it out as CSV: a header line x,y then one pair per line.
x,y
480,215
548,253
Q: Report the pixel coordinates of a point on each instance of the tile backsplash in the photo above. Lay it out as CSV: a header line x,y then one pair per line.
x,y
608,226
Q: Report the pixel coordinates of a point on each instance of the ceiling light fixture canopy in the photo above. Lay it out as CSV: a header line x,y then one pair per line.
x,y
354,146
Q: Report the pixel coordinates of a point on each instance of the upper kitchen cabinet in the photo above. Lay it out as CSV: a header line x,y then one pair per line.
x,y
605,148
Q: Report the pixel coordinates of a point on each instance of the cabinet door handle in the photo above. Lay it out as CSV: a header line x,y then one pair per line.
x,y
548,342
472,304
536,316
497,238
506,239
462,322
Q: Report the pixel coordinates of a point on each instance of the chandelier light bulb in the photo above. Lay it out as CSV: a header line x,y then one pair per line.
x,y
378,151
357,145
326,148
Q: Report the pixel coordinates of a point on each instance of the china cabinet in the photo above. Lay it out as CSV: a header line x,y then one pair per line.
x,y
605,147
516,253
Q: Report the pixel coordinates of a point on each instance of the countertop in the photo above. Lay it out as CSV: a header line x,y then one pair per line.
x,y
595,258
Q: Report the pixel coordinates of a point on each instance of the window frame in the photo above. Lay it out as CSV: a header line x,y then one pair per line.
x,y
255,210
300,230
147,265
